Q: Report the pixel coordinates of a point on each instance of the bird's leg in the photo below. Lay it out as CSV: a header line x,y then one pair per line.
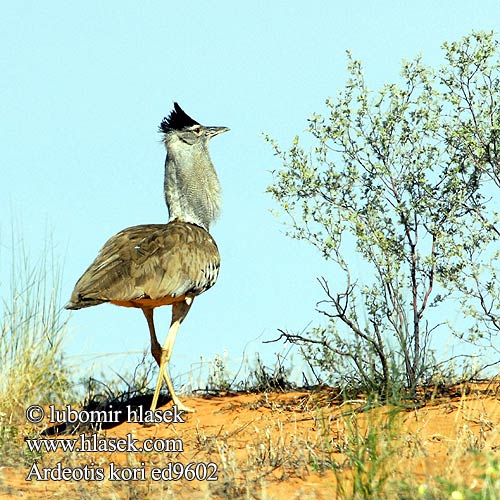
x,y
156,351
179,312
155,345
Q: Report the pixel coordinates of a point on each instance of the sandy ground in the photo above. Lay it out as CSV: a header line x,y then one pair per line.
x,y
276,446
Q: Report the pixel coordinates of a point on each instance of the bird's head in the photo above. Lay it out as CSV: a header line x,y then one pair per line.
x,y
179,126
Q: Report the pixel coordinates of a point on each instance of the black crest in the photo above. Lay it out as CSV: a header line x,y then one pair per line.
x,y
176,120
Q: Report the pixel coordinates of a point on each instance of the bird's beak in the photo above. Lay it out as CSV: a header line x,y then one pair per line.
x,y
213,131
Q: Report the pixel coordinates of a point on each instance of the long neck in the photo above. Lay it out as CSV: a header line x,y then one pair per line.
x,y
192,189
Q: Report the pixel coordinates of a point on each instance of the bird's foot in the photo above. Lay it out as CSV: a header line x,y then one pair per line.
x,y
182,407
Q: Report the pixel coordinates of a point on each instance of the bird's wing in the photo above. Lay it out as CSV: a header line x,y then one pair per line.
x,y
150,261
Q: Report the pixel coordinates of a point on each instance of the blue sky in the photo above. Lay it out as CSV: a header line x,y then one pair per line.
x,y
84,88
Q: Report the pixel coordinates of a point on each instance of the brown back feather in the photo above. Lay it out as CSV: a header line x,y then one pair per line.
x,y
156,261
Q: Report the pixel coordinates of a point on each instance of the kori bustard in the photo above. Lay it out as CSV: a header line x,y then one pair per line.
x,y
153,265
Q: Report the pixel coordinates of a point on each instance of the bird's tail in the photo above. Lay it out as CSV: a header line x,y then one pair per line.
x,y
81,302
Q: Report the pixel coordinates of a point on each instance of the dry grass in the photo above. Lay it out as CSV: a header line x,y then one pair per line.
x,y
32,329
266,446
287,446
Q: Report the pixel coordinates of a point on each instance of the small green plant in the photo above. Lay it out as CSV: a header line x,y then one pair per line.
x,y
325,452
219,378
9,445
137,382
263,378
31,456
488,489
369,452
440,488
13,452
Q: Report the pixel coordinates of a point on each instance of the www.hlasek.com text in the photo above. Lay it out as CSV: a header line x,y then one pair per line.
x,y
97,444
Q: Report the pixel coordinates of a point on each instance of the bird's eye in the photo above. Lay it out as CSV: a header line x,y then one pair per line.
x,y
196,130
